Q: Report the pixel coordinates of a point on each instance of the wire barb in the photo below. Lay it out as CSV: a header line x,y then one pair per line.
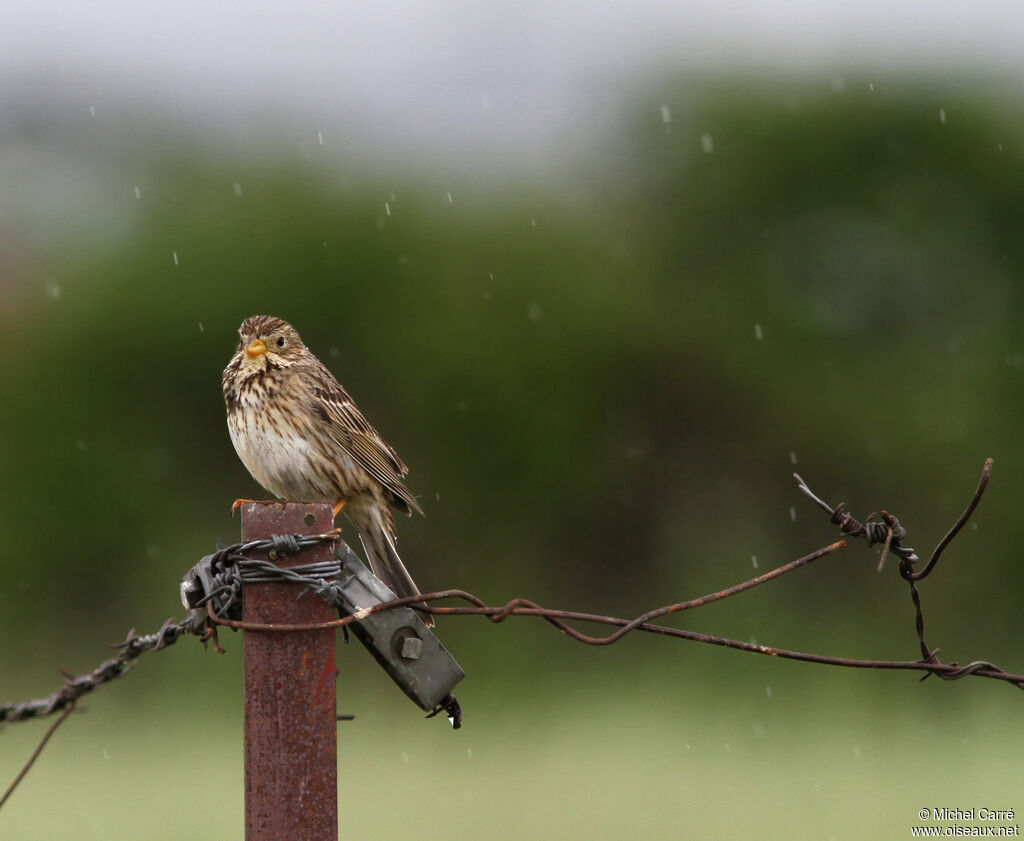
x,y
893,532
888,531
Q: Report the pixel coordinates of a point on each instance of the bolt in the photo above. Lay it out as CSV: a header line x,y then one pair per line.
x,y
412,647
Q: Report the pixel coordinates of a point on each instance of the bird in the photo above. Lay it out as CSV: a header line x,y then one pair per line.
x,y
302,437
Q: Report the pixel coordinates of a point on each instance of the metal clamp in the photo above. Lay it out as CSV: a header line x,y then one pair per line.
x,y
406,648
397,638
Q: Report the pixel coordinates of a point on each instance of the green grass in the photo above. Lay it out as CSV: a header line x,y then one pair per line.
x,y
790,752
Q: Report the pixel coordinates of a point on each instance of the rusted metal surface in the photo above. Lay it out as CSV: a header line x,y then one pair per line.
x,y
291,766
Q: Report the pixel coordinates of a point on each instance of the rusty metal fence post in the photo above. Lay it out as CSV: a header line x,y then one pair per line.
x,y
291,748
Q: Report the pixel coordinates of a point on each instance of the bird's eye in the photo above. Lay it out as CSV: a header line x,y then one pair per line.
x,y
280,341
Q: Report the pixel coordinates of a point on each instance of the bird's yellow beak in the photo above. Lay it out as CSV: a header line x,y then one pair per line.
x,y
255,348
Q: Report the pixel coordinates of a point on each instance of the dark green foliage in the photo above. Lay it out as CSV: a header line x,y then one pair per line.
x,y
577,389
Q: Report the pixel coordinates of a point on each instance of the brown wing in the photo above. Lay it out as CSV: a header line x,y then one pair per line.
x,y
347,427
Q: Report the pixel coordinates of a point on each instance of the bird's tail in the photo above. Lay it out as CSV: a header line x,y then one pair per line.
x,y
385,563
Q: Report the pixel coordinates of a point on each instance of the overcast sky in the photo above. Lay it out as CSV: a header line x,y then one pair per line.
x,y
457,72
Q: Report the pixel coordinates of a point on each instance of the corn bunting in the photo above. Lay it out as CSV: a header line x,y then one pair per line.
x,y
303,438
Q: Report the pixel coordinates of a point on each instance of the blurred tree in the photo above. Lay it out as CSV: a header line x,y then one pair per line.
x,y
600,404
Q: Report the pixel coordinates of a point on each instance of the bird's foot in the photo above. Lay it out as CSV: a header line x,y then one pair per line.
x,y
238,504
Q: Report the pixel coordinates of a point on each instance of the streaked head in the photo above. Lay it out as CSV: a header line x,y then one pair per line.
x,y
269,341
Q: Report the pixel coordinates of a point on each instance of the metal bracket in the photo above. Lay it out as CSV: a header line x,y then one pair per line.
x,y
406,648
397,638
199,582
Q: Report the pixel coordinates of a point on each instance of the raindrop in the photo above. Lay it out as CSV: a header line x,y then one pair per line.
x,y
174,254
758,332
666,114
768,691
707,144
871,87
201,328
82,446
405,758
753,561
237,188
449,198
387,208
942,116
138,192
437,496
856,751
792,513
92,110
320,138
53,291
104,753
792,457
533,222
469,752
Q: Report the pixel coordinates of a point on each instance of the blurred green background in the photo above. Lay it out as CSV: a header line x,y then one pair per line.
x,y
602,384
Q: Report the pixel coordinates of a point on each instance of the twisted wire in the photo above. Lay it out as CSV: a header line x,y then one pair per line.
x,y
229,580
74,688
890,532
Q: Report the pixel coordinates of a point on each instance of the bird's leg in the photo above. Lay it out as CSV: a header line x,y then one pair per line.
x,y
238,504
338,506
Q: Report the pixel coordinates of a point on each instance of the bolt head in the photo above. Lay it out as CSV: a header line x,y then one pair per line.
x,y
411,649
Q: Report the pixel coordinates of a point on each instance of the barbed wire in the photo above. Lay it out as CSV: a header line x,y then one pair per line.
x,y
227,589
232,568
889,532
132,648
229,569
